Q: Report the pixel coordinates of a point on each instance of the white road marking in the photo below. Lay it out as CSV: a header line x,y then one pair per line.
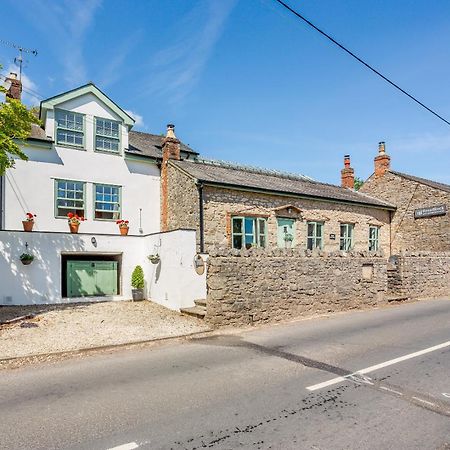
x,y
423,401
390,390
337,380
445,394
129,446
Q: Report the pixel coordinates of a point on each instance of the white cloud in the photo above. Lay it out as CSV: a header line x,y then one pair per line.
x,y
177,68
137,117
65,24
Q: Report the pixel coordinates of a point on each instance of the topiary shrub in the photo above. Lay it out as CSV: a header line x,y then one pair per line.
x,y
137,278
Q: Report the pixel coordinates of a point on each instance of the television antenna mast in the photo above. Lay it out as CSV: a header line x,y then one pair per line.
x,y
18,60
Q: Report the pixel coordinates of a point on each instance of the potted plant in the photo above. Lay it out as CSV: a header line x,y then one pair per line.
x,y
288,238
26,258
154,259
74,222
123,226
28,223
137,283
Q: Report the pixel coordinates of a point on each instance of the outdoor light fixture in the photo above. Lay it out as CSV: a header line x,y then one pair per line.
x,y
94,241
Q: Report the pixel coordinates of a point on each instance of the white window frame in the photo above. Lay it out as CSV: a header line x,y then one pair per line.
x,y
66,128
346,239
107,136
116,213
315,237
258,237
69,209
374,239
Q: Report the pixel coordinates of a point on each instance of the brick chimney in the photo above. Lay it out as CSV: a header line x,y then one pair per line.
x,y
171,144
170,150
382,161
347,174
15,90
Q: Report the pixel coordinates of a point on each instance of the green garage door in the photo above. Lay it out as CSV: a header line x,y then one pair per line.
x,y
91,278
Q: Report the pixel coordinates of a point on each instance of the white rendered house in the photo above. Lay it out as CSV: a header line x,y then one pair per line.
x,y
86,160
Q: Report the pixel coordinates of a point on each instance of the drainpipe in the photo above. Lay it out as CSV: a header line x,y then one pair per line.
x,y
201,220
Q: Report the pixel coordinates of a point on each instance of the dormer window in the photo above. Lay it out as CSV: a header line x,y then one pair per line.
x,y
69,128
107,135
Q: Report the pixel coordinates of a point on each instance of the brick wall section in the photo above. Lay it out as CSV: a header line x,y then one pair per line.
x,y
409,234
183,202
220,204
255,286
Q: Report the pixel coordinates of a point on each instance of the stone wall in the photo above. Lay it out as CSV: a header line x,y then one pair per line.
x,y
253,286
256,286
221,204
421,275
408,233
183,201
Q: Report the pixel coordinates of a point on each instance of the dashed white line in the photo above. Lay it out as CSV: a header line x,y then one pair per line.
x,y
129,446
423,401
336,380
390,390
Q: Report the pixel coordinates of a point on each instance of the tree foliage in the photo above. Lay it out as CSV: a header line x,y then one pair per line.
x,y
358,183
15,126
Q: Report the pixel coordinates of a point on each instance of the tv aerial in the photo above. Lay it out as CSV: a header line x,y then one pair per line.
x,y
19,60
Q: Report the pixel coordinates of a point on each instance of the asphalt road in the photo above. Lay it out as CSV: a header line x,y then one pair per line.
x,y
277,387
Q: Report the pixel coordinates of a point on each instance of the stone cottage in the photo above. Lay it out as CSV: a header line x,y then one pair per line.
x,y
242,207
421,221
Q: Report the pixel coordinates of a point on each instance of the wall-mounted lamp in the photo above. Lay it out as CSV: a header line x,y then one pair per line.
x,y
94,241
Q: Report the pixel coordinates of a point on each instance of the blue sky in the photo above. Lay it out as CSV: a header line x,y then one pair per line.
x,y
244,81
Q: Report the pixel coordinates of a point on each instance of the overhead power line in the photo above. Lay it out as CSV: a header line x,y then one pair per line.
x,y
300,16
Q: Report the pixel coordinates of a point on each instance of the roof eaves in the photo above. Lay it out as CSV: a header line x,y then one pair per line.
x,y
295,194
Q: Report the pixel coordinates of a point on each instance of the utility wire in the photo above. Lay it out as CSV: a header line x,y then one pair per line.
x,y
293,11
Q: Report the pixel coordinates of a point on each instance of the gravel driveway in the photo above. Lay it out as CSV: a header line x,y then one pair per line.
x,y
58,328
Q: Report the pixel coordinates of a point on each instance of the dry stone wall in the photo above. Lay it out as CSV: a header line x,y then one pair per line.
x,y
256,286
252,286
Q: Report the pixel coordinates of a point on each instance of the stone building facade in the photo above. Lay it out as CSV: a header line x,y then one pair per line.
x,y
241,207
421,221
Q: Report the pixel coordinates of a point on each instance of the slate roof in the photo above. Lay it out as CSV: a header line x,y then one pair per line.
x,y
150,145
259,180
433,184
38,134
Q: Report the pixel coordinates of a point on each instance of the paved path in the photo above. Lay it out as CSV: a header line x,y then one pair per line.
x,y
280,387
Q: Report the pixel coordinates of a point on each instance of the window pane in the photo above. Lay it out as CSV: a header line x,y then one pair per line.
x,y
311,227
237,225
310,244
249,225
237,241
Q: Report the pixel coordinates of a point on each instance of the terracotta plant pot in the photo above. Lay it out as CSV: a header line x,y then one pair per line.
x,y
28,225
123,230
74,227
